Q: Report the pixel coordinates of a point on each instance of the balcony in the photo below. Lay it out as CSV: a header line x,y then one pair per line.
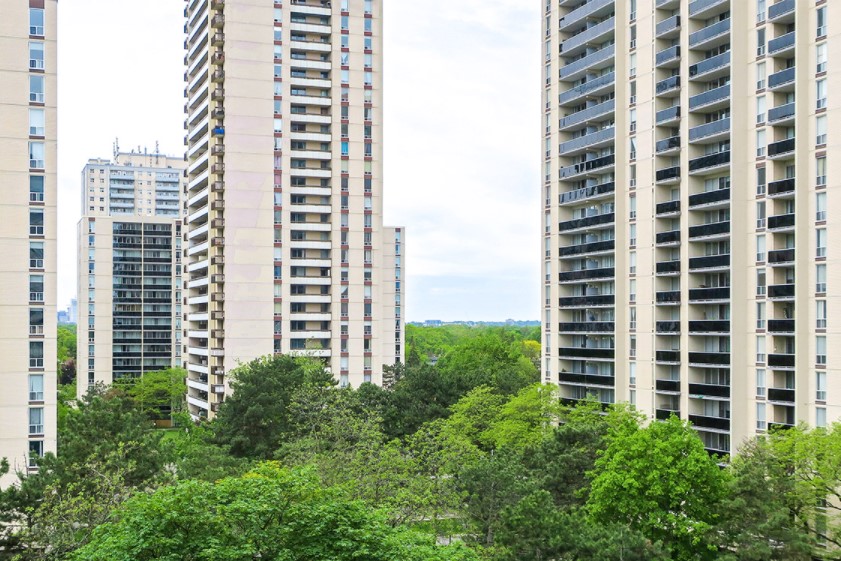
x,y
588,222
596,86
668,297
668,357
702,295
587,248
668,385
668,208
668,57
781,256
664,414
593,165
576,69
590,114
705,8
714,230
781,395
709,262
594,34
667,28
706,67
668,4
707,37
781,188
668,115
782,45
668,145
668,238
781,361
711,390
591,140
592,301
709,163
587,193
669,85
778,80
781,222
709,359
586,353
781,326
591,9
710,131
709,326
780,10
587,274
667,327
709,198
668,175
703,421
781,148
781,291
586,379
586,327
711,98
782,114
668,268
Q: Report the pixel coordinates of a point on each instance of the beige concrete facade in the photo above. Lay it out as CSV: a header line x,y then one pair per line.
x,y
285,246
27,232
687,267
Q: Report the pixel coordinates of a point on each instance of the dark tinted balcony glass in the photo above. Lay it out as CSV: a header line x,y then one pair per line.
x,y
667,144
782,186
781,360
586,274
703,421
668,207
668,237
781,256
584,352
710,390
668,297
781,221
714,359
589,165
668,385
781,147
709,197
668,327
709,326
781,291
587,192
586,327
704,230
712,160
596,220
587,301
781,325
668,173
584,248
780,394
706,294
709,262
665,267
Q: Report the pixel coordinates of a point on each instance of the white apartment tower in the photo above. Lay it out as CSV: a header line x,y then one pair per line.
x,y
688,174
129,250
285,247
27,232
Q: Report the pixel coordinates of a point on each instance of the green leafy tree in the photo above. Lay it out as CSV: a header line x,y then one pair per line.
x,y
660,481
488,360
159,394
254,420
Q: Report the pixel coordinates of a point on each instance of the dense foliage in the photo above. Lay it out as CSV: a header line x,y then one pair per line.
x,y
470,451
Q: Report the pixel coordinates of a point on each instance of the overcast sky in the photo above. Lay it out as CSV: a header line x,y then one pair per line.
x,y
461,136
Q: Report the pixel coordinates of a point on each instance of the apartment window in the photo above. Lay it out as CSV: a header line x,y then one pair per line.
x,y
36,155
820,242
760,383
632,318
36,21
760,282
632,117
761,108
760,143
36,88
760,248
760,11
761,423
632,204
821,22
36,255
36,55
632,373
820,417
632,262
632,174
760,315
820,129
760,42
37,126
36,354
760,349
632,346
820,171
820,386
36,420
36,222
820,55
36,387
633,10
36,189
820,314
632,290
820,279
820,349
821,93
632,235
760,214
760,76
820,207
633,151
632,65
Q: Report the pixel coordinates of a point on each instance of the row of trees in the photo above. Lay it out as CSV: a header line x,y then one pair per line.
x,y
296,468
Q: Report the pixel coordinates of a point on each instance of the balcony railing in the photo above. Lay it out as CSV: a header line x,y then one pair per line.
x,y
587,248
780,9
781,43
781,221
597,220
709,326
583,64
781,78
584,352
781,326
667,25
668,327
589,165
781,187
710,32
667,55
709,129
668,114
710,161
706,230
712,390
668,207
587,193
577,15
708,97
586,327
587,274
668,237
709,294
664,414
667,174
591,113
583,89
709,197
783,395
668,385
594,301
667,144
701,5
781,291
778,256
668,267
586,140
588,35
781,147
781,112
669,84
781,360
707,358
710,64
586,379
668,297
703,421
709,262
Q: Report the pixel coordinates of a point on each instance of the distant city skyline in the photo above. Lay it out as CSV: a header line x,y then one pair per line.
x,y
459,139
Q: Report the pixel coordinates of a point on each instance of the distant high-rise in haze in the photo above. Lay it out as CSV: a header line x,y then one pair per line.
x,y
689,179
27,232
286,251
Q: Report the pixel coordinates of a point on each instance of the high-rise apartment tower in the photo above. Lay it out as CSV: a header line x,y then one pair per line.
x,y
285,247
27,232
130,284
688,178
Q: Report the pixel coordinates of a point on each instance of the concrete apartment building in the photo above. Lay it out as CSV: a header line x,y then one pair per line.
x,y
27,232
285,247
129,251
687,183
